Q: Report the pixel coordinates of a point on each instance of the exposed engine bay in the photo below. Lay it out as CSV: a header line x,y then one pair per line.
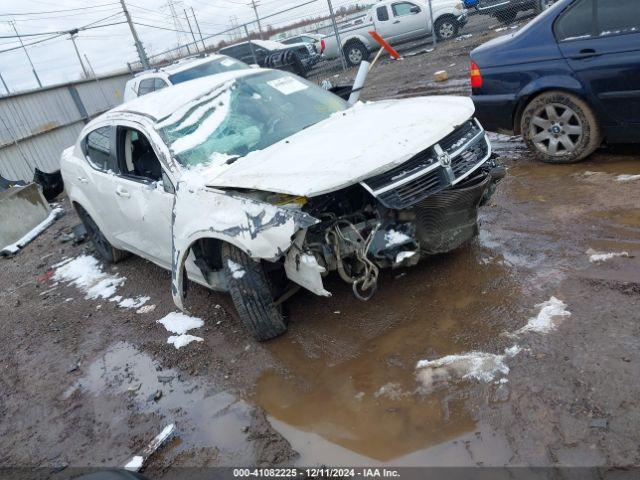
x,y
430,207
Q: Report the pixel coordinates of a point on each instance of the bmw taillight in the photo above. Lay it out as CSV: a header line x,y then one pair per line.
x,y
322,45
476,76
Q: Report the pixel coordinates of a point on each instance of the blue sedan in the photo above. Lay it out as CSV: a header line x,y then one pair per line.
x,y
567,81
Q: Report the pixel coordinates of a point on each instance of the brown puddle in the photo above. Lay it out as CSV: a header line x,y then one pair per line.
x,y
358,393
204,417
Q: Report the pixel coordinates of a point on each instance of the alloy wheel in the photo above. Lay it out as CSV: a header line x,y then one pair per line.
x,y
446,30
355,56
556,129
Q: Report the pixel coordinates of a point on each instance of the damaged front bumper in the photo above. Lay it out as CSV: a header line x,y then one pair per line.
x,y
427,205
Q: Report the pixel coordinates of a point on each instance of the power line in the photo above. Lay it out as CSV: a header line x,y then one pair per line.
x,y
56,11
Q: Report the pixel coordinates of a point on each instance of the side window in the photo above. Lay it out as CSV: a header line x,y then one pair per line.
x,y
621,16
405,8
97,148
576,22
136,157
159,84
146,86
383,14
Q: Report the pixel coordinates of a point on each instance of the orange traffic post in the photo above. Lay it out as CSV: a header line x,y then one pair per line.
x,y
384,44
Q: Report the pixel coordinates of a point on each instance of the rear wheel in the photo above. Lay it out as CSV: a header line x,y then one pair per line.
x,y
446,28
355,53
252,294
107,251
560,128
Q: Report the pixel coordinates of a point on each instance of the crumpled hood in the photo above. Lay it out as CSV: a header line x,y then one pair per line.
x,y
348,147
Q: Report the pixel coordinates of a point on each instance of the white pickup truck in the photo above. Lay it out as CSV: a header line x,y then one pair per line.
x,y
397,21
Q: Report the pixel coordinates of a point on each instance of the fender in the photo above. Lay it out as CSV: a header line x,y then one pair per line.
x,y
361,38
555,82
262,230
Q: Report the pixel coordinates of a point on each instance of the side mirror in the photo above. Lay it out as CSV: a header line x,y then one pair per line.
x,y
415,10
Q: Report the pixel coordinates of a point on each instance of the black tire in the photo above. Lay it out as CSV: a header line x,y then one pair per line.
x,y
355,52
582,120
507,16
446,28
252,295
107,251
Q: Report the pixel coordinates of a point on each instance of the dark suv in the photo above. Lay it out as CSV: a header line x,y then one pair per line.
x,y
298,58
567,81
507,10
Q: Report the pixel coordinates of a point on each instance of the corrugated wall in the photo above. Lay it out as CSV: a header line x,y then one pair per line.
x,y
35,127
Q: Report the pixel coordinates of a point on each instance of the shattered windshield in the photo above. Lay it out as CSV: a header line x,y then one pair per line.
x,y
209,68
245,115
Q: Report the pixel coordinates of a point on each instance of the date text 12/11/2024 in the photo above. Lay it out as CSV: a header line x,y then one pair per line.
x,y
315,473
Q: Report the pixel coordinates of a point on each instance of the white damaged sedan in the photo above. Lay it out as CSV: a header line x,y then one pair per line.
x,y
259,183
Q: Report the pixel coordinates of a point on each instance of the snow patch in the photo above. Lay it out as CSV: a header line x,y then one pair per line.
x,y
544,321
146,309
180,341
135,464
236,269
180,324
480,366
390,390
395,238
85,272
627,178
596,257
37,230
402,256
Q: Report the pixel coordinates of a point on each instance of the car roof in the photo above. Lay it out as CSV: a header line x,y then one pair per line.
x,y
267,44
164,102
180,65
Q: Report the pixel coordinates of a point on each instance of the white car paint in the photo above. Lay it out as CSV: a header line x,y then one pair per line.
x,y
164,74
396,28
160,221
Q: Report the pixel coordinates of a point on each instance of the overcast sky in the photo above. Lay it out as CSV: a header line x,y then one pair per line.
x,y
109,48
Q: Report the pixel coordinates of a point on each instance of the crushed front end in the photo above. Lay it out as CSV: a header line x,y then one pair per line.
x,y
427,205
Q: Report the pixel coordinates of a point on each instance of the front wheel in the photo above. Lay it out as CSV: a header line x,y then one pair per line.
x,y
355,53
446,28
252,294
560,127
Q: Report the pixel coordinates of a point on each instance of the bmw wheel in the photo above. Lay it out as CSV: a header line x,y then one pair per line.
x,y
560,127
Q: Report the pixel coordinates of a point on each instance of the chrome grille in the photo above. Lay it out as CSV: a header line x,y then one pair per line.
x,y
425,174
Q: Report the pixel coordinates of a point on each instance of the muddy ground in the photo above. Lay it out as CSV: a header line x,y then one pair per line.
x,y
87,383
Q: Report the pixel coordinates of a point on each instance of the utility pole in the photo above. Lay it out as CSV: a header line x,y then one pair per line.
x,y
255,9
337,33
72,35
195,42
33,69
5,84
195,19
139,47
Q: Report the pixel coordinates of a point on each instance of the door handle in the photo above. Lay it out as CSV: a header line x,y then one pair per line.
x,y
121,192
397,21
586,53
83,180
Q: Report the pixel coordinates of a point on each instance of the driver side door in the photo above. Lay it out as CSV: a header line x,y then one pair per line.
x,y
144,195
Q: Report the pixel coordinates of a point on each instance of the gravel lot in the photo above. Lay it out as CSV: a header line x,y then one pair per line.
x,y
85,382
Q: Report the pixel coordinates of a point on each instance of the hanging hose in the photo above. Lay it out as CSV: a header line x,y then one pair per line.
x,y
365,285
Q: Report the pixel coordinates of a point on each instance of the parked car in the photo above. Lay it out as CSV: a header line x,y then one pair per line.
x,y
178,72
314,39
566,81
257,182
297,58
507,10
397,22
